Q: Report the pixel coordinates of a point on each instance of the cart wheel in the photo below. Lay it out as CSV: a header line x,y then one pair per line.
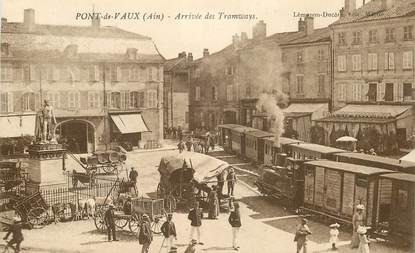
x,y
157,222
67,213
134,223
120,222
38,217
99,221
170,203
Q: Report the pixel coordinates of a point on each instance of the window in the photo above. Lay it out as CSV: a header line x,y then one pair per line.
x,y
28,102
125,73
407,91
229,92
389,61
93,73
372,61
73,99
5,49
116,100
390,35
372,93
152,98
321,85
115,73
356,92
321,55
54,98
356,62
6,72
300,58
74,73
341,93
134,73
357,38
407,60
229,70
6,102
341,63
93,100
373,36
197,93
341,38
136,99
214,93
300,84
408,32
196,72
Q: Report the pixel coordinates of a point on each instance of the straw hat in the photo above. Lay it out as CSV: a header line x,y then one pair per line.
x,y
360,207
335,225
194,242
361,230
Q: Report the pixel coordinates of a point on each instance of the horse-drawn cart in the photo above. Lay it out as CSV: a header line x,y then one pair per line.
x,y
32,209
154,208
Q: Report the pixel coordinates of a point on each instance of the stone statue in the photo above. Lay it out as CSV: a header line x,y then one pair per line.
x,y
46,123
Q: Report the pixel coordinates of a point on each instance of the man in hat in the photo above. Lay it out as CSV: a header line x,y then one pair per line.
x,y
169,231
301,236
133,178
127,207
195,216
334,235
17,236
110,222
192,247
357,220
145,237
231,179
235,222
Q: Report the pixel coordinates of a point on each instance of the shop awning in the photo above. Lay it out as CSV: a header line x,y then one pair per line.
x,y
17,125
130,123
316,110
373,111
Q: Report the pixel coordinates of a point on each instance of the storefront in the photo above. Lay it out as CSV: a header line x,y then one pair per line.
x,y
126,129
17,131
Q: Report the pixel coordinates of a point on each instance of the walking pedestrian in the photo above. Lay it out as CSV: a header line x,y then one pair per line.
x,y
195,216
145,237
180,132
132,176
110,222
212,142
334,235
221,182
189,144
213,202
174,130
301,236
181,146
192,248
231,179
201,147
195,146
15,230
206,144
364,241
235,221
169,232
357,220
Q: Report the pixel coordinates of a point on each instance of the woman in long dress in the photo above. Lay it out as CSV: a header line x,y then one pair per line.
x,y
358,220
213,203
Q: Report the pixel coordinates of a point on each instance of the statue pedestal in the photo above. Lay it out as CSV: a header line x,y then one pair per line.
x,y
46,163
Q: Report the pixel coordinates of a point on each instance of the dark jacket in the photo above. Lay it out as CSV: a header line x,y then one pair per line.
x,y
231,178
195,215
127,207
168,228
235,219
16,231
109,217
145,235
133,176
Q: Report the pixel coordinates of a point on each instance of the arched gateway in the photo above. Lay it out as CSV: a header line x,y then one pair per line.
x,y
78,135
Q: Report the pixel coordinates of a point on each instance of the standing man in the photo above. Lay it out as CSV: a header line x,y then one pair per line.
x,y
235,221
301,236
221,182
17,236
195,216
169,231
133,178
145,237
231,179
110,222
213,202
180,132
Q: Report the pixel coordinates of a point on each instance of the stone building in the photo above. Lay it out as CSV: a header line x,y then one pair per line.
x,y
176,91
373,68
105,83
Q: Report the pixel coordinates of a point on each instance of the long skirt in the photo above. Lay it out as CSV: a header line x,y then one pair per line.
x,y
213,210
355,240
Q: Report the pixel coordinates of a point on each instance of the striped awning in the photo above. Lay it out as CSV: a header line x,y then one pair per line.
x,y
130,123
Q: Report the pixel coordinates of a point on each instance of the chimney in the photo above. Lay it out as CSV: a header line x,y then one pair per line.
x,y
205,52
259,31
236,42
182,54
309,25
3,22
189,57
29,18
244,38
301,25
387,4
349,6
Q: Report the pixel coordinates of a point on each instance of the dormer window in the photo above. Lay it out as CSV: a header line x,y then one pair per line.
x,y
5,49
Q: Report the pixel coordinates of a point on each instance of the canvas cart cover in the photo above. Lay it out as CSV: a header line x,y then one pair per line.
x,y
169,164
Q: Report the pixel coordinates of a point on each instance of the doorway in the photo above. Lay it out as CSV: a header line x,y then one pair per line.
x,y
77,136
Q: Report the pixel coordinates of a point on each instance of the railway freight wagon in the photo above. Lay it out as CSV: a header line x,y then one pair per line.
x,y
333,189
238,139
396,206
376,161
312,151
225,139
255,145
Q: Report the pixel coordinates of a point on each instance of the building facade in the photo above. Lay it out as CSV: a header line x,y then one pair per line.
x,y
105,84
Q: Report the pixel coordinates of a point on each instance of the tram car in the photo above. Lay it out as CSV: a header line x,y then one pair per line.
x,y
312,151
272,149
238,140
225,139
376,161
255,145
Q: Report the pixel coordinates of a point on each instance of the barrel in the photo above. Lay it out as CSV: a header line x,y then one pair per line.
x,y
113,156
102,157
92,160
123,157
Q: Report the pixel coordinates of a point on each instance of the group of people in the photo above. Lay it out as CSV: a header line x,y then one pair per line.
x,y
197,145
359,240
173,132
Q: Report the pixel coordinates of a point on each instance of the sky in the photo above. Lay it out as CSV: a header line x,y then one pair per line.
x,y
172,35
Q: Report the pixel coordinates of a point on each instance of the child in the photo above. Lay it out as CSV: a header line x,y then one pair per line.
x,y
192,247
334,235
169,231
364,242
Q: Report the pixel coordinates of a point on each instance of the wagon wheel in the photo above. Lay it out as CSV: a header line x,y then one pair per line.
x,y
37,217
170,203
120,222
135,223
157,222
99,221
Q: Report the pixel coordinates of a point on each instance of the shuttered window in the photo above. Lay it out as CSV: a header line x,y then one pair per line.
x,y
372,61
356,62
341,63
197,93
73,99
342,92
54,98
6,102
152,98
116,100
28,102
389,61
93,99
6,72
408,60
